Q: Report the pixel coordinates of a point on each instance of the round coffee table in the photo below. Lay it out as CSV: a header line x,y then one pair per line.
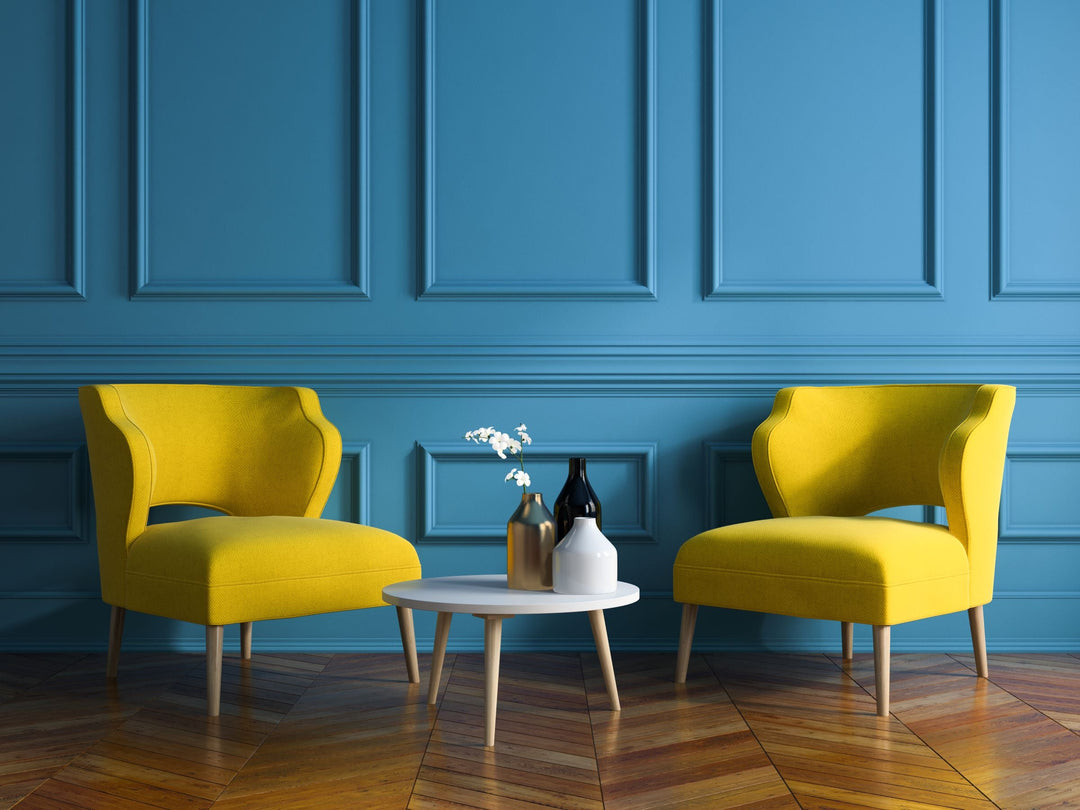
x,y
487,597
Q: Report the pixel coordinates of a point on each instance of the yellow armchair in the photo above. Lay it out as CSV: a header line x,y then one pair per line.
x,y
826,458
267,459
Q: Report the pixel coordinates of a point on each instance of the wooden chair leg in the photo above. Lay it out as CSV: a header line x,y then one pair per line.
x,y
978,640
686,639
847,639
215,635
245,640
882,637
116,630
408,643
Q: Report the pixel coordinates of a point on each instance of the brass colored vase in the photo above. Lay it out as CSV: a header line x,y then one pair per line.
x,y
530,539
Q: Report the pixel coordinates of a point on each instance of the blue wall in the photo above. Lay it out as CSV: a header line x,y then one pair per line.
x,y
625,223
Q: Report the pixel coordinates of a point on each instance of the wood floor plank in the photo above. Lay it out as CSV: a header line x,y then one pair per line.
x,y
663,750
752,731
1017,756
822,747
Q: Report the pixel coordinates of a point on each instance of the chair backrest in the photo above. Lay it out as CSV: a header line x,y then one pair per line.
x,y
853,450
243,450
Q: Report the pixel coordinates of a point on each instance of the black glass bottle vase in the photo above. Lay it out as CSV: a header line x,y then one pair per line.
x,y
576,499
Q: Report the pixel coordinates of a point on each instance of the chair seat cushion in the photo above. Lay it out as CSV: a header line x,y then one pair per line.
x,y
223,570
871,570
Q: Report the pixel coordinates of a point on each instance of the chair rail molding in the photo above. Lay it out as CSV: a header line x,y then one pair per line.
x,y
457,366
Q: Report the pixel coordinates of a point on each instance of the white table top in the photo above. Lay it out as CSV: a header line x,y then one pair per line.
x,y
488,594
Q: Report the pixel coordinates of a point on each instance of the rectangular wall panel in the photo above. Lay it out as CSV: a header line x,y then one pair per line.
x,y
42,157
250,175
43,492
1038,499
1036,127
464,497
732,494
539,129
825,143
350,499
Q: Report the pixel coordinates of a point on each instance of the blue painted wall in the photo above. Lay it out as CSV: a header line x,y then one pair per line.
x,y
625,222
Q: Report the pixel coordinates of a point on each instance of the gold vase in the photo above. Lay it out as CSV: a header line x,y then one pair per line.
x,y
530,539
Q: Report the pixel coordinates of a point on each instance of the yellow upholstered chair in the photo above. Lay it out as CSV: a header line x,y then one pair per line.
x,y
826,458
267,459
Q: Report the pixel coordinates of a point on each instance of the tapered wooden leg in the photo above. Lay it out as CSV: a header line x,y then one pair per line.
x,y
847,639
882,637
686,638
215,635
438,655
245,640
599,631
978,640
408,643
116,630
492,646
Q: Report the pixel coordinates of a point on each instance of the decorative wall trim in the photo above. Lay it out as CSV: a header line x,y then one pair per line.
x,y
1019,453
717,456
75,522
357,455
74,284
755,366
1002,285
931,285
47,595
432,454
142,283
644,284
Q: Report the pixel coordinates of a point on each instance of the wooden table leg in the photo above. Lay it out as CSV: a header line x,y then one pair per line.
x,y
438,655
492,645
599,630
408,643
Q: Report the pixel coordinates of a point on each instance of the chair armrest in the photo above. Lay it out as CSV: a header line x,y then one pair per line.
x,y
763,464
970,470
122,471
331,461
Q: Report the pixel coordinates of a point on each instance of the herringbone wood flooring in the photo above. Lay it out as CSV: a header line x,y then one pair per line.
x,y
746,731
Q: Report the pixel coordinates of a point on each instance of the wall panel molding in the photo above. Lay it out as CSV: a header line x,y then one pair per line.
x,y
643,285
74,284
1003,284
719,457
1029,454
457,366
930,286
638,457
41,477
356,457
143,284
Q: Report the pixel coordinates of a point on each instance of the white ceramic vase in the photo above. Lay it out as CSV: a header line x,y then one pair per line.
x,y
585,562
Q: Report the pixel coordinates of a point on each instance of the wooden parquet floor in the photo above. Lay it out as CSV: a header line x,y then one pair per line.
x,y
348,731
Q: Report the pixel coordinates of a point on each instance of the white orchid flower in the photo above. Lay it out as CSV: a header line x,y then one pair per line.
x,y
502,444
